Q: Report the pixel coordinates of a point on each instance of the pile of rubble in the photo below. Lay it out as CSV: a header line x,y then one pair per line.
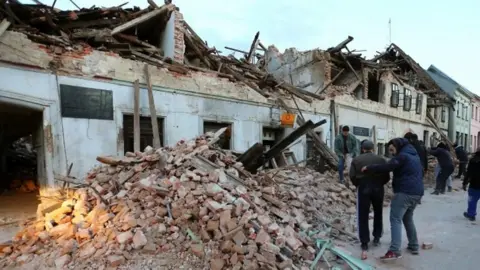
x,y
192,198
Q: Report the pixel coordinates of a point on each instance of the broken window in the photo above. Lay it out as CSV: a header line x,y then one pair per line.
x,y
418,103
407,99
146,132
444,114
270,137
394,100
225,141
374,91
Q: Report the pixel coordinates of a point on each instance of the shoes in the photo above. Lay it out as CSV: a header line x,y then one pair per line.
x,y
390,255
449,189
467,216
376,241
364,247
435,192
413,251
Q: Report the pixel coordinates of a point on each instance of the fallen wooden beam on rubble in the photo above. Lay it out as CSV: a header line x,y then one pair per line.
x,y
255,159
141,19
324,151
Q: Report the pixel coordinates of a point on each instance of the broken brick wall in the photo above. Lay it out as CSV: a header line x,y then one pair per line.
x,y
179,39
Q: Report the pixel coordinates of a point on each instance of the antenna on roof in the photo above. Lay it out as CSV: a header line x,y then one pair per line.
x,y
390,30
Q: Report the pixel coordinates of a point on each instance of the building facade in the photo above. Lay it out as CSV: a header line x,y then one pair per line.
x,y
475,126
86,106
459,129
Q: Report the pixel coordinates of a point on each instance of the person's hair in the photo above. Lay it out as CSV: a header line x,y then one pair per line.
x,y
411,136
345,128
367,145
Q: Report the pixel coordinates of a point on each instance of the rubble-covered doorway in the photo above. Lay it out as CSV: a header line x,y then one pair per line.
x,y
270,137
146,132
22,165
225,141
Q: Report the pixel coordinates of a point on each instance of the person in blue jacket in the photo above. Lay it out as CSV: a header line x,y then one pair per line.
x,y
445,162
408,191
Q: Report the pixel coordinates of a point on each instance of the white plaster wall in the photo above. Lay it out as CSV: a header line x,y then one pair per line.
x,y
184,116
393,127
167,38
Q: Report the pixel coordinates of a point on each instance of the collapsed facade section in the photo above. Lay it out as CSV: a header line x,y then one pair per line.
x,y
380,99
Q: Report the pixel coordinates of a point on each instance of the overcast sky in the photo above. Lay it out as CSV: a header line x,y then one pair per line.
x,y
443,33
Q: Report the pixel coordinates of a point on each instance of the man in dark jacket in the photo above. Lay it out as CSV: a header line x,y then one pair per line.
x,y
421,150
446,167
408,190
346,148
472,177
370,191
462,158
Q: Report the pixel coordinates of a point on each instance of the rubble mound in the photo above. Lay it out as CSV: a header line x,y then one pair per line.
x,y
190,199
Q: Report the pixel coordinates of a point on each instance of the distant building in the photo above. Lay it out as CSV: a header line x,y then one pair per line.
x,y
460,115
475,127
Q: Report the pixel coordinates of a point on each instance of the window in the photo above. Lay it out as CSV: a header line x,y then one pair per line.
x,y
473,112
407,99
476,113
225,141
394,100
444,114
435,113
418,103
458,109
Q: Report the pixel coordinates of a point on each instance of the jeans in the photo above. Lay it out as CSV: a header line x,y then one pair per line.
x,y
343,161
449,179
473,197
401,210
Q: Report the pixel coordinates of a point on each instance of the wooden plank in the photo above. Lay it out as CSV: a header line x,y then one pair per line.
x,y
320,146
136,117
141,19
253,48
330,82
4,26
153,111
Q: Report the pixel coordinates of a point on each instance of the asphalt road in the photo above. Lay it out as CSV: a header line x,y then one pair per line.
x,y
439,220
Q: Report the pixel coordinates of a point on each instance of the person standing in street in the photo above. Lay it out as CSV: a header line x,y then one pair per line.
x,y
370,191
445,162
472,180
462,159
346,148
421,150
408,190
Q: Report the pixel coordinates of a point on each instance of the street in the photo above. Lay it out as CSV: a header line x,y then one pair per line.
x,y
439,220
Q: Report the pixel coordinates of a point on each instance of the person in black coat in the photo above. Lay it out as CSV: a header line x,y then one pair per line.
x,y
462,158
421,150
472,178
446,167
370,192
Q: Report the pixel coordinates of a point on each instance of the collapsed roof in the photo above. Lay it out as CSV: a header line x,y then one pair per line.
x,y
393,60
135,33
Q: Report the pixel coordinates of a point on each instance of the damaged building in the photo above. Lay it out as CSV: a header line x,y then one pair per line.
x,y
71,80
379,99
